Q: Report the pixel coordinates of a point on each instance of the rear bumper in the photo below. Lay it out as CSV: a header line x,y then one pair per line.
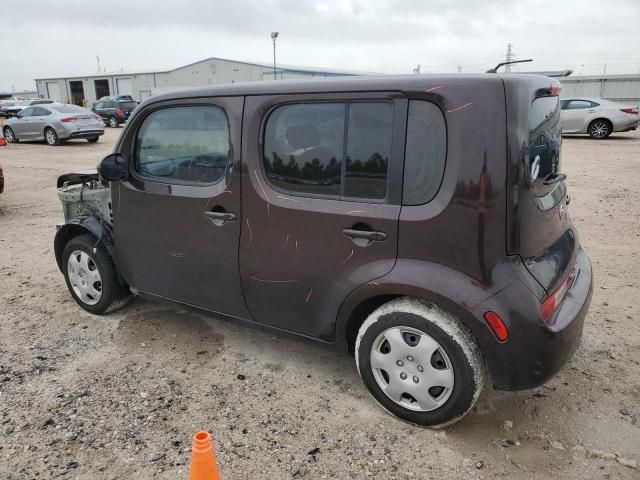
x,y
89,133
535,351
624,124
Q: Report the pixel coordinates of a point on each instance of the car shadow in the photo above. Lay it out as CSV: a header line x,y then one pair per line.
x,y
613,137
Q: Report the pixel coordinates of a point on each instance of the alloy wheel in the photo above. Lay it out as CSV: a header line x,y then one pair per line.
x,y
51,137
599,129
113,123
8,135
84,277
412,369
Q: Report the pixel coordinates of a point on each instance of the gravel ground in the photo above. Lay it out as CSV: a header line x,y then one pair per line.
x,y
119,397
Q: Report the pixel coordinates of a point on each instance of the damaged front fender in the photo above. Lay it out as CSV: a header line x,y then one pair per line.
x,y
92,224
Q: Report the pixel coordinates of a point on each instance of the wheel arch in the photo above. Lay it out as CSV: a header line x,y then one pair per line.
x,y
368,298
79,226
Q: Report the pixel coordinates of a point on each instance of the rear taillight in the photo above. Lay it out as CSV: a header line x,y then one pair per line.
x,y
68,120
119,112
554,89
632,111
551,303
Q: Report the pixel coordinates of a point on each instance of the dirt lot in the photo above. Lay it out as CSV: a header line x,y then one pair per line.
x,y
119,397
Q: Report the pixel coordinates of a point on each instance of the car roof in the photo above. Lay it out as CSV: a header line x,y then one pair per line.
x,y
335,85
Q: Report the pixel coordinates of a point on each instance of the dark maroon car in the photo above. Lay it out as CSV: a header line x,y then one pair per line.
x,y
420,222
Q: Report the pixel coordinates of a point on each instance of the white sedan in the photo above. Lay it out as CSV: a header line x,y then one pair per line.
x,y
597,117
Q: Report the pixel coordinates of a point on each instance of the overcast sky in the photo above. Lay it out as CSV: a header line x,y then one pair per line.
x,y
45,38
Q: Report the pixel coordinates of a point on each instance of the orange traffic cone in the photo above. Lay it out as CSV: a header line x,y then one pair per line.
x,y
203,458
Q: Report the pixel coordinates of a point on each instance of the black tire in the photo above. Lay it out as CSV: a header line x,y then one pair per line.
x,y
461,356
51,137
600,128
9,136
93,139
113,122
113,294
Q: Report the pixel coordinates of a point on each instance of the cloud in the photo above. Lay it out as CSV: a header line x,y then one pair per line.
x,y
62,37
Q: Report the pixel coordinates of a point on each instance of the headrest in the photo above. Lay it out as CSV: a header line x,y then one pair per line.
x,y
303,136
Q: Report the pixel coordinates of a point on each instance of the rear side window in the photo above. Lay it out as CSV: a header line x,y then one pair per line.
x,y
183,144
339,150
425,153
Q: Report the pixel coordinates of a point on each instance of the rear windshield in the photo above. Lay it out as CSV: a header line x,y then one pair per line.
x,y
127,105
68,109
545,141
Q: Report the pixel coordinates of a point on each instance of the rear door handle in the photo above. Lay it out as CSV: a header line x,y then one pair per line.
x,y
367,235
219,217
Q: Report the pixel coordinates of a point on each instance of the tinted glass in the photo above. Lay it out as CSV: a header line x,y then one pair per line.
x,y
577,104
27,112
369,135
304,147
40,112
185,144
545,142
129,106
425,153
99,105
68,109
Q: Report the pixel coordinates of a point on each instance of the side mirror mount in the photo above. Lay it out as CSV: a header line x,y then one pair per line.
x,y
114,167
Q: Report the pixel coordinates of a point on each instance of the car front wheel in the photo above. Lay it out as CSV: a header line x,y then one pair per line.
x,y
91,276
9,136
419,363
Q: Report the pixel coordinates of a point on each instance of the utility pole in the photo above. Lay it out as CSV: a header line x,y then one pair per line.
x,y
510,56
604,72
274,35
98,59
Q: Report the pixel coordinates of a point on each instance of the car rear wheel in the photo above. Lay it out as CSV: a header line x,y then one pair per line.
x,y
91,276
600,128
51,137
9,136
93,139
113,122
419,363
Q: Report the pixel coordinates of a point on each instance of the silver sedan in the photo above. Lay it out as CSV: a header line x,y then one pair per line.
x,y
597,117
54,123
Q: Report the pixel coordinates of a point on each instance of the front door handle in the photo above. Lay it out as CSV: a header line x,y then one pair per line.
x,y
362,237
219,216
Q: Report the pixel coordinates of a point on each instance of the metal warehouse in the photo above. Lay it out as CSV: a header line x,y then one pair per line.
x,y
86,89
619,88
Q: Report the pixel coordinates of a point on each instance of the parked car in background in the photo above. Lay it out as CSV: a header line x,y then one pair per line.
x,y
117,98
114,112
437,253
54,123
17,105
597,117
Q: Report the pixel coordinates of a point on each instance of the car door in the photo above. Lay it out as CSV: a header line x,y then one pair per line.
x,y
22,127
577,115
98,108
321,198
177,217
37,122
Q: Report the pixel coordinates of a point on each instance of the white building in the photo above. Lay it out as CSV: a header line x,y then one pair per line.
x,y
86,89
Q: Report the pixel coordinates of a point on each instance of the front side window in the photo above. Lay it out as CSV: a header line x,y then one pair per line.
x,y
27,112
340,150
185,144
